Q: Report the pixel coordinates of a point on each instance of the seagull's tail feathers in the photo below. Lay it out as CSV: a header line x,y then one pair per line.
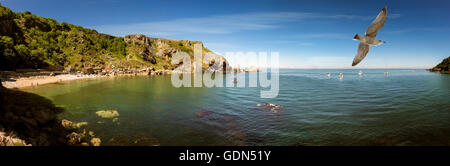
x,y
357,37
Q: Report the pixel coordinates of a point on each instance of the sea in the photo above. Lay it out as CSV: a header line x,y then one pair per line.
x,y
400,107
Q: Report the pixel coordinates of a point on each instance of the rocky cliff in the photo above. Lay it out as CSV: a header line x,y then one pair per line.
x,y
30,41
443,67
159,52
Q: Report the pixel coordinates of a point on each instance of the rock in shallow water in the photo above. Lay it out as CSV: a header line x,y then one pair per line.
x,y
70,125
96,141
80,124
11,140
107,113
66,123
270,107
73,138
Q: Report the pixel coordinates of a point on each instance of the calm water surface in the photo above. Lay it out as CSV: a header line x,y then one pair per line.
x,y
407,107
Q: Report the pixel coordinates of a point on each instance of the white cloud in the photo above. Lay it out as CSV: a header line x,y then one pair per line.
x,y
305,44
221,24
321,35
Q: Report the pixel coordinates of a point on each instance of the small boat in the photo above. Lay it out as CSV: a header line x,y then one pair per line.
x,y
328,75
341,76
360,73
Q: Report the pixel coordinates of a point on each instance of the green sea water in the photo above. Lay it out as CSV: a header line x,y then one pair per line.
x,y
406,107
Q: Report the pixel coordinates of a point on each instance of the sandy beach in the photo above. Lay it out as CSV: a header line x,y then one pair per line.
x,y
42,80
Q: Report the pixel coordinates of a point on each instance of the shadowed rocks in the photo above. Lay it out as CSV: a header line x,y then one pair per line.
x,y
31,117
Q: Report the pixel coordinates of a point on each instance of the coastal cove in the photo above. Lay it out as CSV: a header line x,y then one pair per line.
x,y
316,110
184,74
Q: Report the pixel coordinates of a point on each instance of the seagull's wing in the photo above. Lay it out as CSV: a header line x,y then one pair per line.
x,y
363,49
377,24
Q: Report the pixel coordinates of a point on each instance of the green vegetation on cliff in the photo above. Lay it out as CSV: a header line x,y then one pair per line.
x,y
30,41
443,67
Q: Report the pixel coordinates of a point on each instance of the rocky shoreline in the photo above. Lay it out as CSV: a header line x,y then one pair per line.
x,y
27,119
10,139
32,118
35,77
443,67
439,71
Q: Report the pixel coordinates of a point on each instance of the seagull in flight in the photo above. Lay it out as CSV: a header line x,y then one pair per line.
x,y
370,37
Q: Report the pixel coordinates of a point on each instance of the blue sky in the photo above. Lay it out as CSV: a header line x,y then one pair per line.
x,y
307,34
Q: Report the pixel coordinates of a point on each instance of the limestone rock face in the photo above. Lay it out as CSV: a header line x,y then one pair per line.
x,y
151,49
147,55
136,39
162,48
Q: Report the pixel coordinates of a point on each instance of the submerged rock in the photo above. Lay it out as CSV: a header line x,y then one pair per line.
x,y
107,113
70,125
74,138
80,124
83,138
137,139
228,124
202,114
66,123
96,141
270,107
